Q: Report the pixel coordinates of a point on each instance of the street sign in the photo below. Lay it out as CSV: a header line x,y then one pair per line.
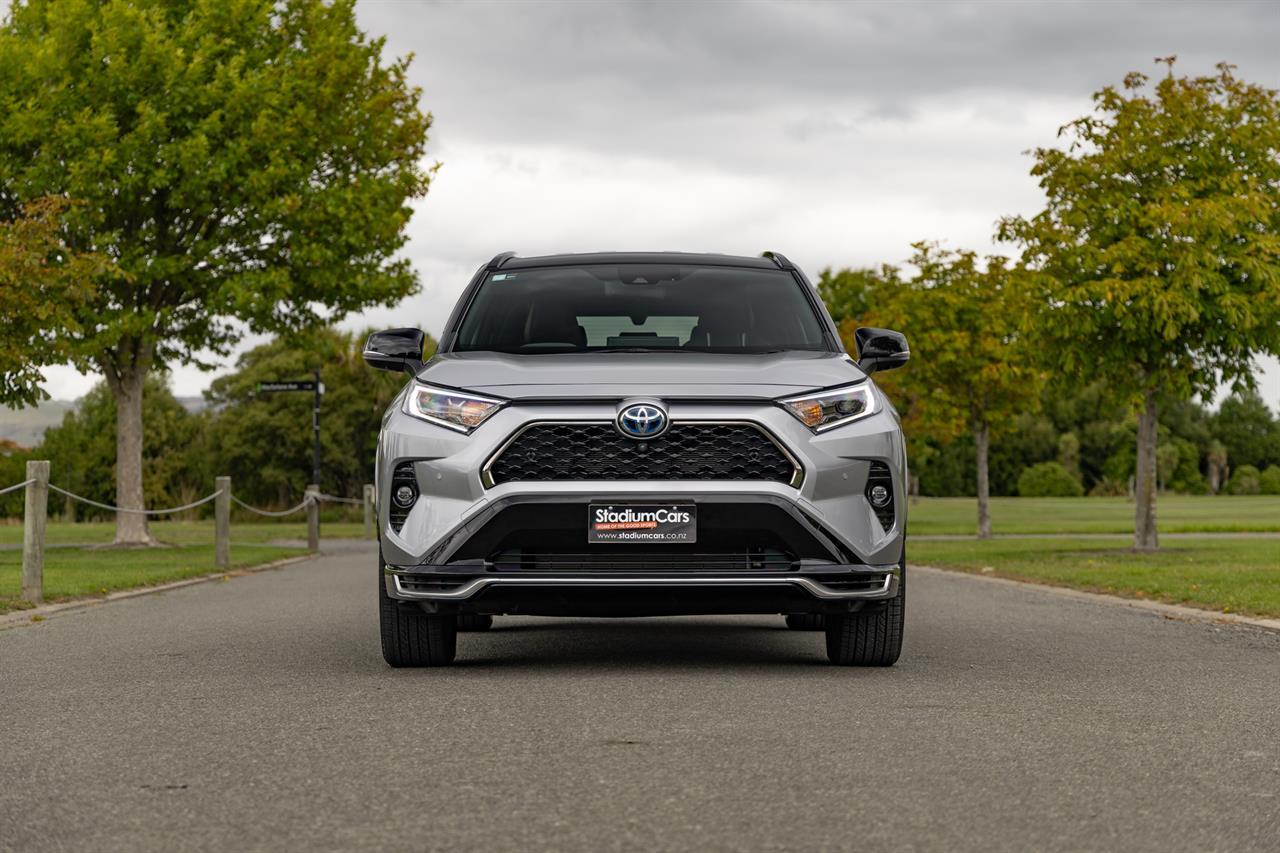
x,y
316,387
267,387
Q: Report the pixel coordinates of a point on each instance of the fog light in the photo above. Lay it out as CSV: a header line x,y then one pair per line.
x,y
879,495
405,495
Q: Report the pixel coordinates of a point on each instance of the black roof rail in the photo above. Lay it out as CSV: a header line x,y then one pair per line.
x,y
779,259
498,260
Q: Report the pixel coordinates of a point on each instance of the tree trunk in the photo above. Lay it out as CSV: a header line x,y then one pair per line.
x,y
982,443
1145,537
126,385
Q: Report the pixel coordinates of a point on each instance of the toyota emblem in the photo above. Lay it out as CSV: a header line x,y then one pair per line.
x,y
642,420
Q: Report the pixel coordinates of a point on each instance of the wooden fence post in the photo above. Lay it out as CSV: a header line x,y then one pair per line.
x,y
222,524
33,520
368,511
313,517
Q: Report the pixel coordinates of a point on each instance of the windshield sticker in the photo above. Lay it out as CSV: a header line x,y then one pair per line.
x,y
503,276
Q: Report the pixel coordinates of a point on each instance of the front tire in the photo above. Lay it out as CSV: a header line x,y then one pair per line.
x,y
873,638
411,637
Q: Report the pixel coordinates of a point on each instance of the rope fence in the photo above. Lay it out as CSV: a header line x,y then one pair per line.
x,y
35,516
7,489
112,508
338,500
272,513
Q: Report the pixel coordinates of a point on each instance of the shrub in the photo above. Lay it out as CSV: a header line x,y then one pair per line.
x,y
1245,480
1048,480
1109,488
1269,481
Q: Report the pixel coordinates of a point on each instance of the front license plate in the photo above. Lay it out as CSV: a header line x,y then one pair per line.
x,y
642,523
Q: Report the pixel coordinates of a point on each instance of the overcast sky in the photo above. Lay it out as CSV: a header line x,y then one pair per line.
x,y
836,133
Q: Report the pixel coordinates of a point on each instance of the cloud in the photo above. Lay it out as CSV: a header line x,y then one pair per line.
x,y
837,133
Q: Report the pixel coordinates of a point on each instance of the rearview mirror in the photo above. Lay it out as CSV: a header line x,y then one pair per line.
x,y
395,349
881,349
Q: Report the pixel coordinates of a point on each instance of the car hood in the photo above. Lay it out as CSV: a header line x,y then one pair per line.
x,y
669,375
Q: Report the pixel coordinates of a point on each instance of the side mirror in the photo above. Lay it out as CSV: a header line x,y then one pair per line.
x,y
395,349
881,349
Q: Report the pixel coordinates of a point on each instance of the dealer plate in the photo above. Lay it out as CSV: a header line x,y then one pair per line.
x,y
642,523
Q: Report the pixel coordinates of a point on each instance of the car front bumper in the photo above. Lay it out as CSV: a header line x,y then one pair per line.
x,y
826,507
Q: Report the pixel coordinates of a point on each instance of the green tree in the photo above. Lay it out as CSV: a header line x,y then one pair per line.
x,y
247,164
970,370
1245,480
82,450
851,293
1248,429
264,441
42,283
1048,480
1158,250
13,469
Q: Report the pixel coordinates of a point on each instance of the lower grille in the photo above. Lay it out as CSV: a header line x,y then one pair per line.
x,y
433,583
855,584
687,451
759,559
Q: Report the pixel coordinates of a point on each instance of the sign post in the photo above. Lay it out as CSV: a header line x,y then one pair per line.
x,y
317,388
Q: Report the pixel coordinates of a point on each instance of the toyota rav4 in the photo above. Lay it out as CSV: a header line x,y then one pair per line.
x,y
640,435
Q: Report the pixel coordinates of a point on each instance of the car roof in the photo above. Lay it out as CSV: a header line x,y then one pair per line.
x,y
511,261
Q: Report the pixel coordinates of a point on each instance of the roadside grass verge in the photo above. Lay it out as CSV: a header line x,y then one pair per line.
x,y
1175,514
181,532
80,573
1226,575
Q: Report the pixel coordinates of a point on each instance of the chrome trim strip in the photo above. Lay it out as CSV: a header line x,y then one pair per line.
x,y
814,588
797,470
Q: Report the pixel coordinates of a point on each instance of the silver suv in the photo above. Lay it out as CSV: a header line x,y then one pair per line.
x,y
640,435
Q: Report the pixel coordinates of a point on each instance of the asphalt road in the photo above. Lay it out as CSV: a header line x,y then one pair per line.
x,y
257,713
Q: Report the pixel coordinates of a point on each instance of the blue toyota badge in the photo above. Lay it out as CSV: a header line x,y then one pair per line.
x,y
642,420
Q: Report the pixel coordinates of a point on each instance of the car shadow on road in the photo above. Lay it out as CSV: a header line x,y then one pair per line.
x,y
639,643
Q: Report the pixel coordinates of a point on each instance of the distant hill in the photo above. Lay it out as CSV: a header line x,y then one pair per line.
x,y
25,427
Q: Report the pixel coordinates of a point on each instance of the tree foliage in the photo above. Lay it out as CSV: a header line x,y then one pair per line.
x,y
1158,251
245,164
969,369
1159,246
1248,430
81,452
851,293
43,284
264,441
1048,480
963,318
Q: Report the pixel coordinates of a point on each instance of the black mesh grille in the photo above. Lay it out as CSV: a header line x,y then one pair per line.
x,y
879,476
683,452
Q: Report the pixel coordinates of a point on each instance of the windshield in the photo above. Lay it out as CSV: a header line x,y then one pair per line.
x,y
640,308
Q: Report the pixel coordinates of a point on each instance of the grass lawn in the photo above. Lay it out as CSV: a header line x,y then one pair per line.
x,y
75,573
182,532
1227,575
1174,513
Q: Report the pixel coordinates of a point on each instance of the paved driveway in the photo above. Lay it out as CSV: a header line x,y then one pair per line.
x,y
256,713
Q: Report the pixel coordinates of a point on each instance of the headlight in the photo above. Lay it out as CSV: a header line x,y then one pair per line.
x,y
452,409
832,408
